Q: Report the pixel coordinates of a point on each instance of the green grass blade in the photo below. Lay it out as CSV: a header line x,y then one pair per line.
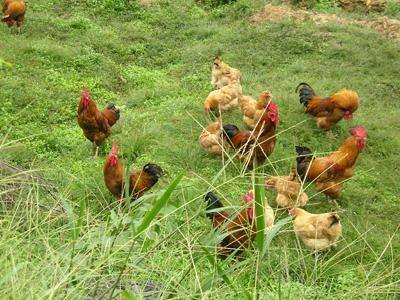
x,y
158,205
78,226
70,215
221,273
259,208
273,232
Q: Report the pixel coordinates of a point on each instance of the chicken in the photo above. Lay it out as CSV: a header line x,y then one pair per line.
x,y
242,227
317,231
222,74
331,171
256,145
211,138
289,190
13,12
96,125
269,214
225,98
140,181
328,111
253,109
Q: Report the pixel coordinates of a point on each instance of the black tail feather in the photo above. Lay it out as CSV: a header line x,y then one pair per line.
x,y
306,93
212,203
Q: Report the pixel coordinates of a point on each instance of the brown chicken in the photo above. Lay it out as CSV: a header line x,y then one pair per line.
x,y
259,144
222,74
13,12
242,226
211,138
253,109
317,231
328,111
225,98
140,181
96,125
331,171
289,191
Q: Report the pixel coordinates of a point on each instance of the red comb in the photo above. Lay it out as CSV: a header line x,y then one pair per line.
x,y
85,92
272,106
248,197
359,131
114,149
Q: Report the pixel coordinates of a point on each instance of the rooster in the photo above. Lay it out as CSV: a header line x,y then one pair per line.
x,y
253,109
13,12
328,111
317,231
256,145
331,171
242,227
222,74
140,181
96,125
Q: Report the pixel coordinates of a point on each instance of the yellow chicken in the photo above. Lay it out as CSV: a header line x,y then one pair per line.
x,y
253,109
225,98
222,74
269,217
211,138
317,231
289,191
269,214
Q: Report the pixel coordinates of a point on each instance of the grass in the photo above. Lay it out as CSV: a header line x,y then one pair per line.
x,y
155,62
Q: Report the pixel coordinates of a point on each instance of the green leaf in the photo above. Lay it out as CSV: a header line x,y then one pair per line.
x,y
273,232
158,205
78,226
127,295
259,208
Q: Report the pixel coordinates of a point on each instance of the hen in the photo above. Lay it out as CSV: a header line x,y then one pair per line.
x,y
96,125
253,109
225,98
289,190
317,231
13,12
140,181
222,74
331,171
211,138
328,111
259,144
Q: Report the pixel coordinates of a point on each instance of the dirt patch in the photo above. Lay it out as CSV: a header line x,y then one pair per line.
x,y
390,28
146,2
373,5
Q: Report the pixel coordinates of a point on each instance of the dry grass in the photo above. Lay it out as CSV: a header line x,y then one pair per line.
x,y
390,28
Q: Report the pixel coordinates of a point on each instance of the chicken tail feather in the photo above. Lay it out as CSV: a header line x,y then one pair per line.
x,y
212,203
306,93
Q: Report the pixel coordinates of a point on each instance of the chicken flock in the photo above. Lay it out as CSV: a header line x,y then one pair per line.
x,y
251,145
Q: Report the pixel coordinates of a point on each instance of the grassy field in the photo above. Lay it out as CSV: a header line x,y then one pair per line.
x,y
63,235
